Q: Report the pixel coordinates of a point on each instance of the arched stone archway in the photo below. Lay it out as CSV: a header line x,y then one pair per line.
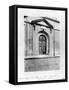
x,y
44,43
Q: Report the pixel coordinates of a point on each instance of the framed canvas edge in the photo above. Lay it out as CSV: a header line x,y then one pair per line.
x,y
16,44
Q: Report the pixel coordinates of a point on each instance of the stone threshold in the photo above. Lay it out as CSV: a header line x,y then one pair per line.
x,y
40,57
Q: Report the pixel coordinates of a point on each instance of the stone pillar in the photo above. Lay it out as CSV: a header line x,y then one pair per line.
x,y
51,43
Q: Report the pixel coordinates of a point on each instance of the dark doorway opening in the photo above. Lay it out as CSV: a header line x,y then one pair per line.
x,y
42,44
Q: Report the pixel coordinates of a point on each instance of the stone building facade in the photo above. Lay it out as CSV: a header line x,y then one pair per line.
x,y
40,40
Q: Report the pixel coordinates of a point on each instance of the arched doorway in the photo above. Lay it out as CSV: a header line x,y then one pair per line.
x,y
42,44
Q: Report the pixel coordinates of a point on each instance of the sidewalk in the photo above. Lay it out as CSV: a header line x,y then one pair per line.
x,y
42,64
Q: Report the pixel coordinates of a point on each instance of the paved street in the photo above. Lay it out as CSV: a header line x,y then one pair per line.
x,y
43,64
